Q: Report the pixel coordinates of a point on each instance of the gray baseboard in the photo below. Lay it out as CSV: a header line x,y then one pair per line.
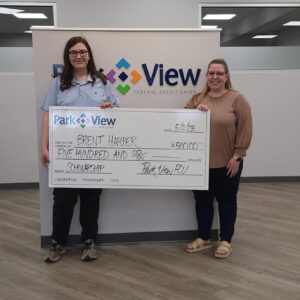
x,y
20,185
135,237
271,179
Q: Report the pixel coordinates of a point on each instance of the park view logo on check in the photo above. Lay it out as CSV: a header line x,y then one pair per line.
x,y
83,120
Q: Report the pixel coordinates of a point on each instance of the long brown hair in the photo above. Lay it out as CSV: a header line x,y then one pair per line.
x,y
198,98
67,73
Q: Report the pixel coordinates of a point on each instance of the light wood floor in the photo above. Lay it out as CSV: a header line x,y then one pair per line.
x,y
265,262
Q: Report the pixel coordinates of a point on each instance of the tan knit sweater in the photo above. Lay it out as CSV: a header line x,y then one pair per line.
x,y
230,126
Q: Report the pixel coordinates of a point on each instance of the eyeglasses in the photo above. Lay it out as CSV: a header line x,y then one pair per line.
x,y
82,53
216,73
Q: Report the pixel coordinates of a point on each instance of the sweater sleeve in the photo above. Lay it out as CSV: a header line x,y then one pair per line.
x,y
244,126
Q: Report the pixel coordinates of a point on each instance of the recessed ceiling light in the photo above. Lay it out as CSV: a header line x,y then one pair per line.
x,y
264,36
209,26
42,27
28,31
45,26
292,23
30,16
9,11
219,16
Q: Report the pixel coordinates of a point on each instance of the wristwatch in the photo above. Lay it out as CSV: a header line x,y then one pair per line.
x,y
238,158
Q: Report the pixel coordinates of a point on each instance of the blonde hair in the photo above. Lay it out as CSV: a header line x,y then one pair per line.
x,y
198,98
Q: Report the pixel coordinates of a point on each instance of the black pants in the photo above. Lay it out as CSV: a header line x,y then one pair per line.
x,y
63,207
224,189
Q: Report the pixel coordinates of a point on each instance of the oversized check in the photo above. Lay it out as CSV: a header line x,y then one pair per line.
x,y
128,148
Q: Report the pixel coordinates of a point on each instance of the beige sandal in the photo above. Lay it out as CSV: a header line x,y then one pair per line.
x,y
224,249
198,245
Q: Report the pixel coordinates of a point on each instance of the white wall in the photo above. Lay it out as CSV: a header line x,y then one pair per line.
x,y
16,59
262,58
129,13
274,99
18,147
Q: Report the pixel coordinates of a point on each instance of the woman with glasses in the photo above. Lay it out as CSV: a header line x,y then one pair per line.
x,y
230,136
80,84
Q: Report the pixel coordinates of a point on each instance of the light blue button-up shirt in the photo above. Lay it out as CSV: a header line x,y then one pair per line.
x,y
80,94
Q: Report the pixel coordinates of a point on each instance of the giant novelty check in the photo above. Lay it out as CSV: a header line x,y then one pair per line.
x,y
128,148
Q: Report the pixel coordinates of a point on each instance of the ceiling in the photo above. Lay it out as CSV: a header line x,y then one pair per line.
x,y
249,21
12,28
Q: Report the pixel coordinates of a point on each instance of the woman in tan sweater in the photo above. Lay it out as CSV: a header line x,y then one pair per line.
x,y
230,136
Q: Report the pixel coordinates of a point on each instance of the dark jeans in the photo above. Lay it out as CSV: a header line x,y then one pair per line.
x,y
63,207
224,189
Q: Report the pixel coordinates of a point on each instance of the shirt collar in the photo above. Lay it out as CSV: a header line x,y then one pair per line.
x,y
89,79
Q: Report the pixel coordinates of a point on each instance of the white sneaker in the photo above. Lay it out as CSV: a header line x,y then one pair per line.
x,y
55,252
89,251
